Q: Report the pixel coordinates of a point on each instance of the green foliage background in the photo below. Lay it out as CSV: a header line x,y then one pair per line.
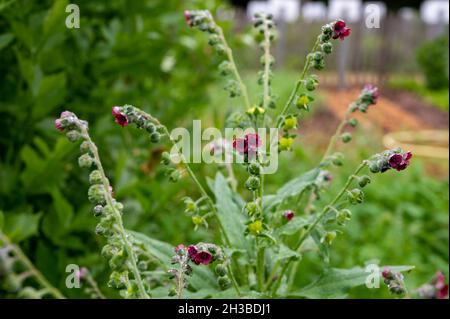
x,y
142,53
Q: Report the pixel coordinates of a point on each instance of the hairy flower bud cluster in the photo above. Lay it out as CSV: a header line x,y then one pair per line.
x,y
390,159
369,96
394,281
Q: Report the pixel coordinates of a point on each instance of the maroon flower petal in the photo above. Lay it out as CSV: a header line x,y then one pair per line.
x,y
289,215
395,160
58,125
120,118
203,258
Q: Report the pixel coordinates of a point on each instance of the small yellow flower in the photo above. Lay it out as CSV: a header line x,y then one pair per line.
x,y
285,143
290,123
303,101
256,227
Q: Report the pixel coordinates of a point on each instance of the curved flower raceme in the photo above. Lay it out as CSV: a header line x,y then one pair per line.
x,y
391,159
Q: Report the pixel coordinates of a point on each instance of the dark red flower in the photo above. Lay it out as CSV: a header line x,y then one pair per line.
x,y
440,285
340,30
203,257
248,145
289,214
372,92
386,273
120,117
188,17
400,161
192,251
58,125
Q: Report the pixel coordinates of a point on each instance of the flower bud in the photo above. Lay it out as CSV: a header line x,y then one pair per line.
x,y
255,228
346,137
353,122
327,48
252,183
318,56
343,216
150,127
304,101
197,220
363,181
221,270
311,84
95,177
99,230
73,135
117,280
85,161
96,194
155,137
290,123
324,38
355,196
98,210
165,158
374,167
224,282
85,147
175,176
329,237
251,208
318,64
254,169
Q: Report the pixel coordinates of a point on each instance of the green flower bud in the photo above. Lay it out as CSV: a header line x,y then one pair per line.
x,y
363,181
327,47
252,183
327,30
73,136
117,260
355,196
118,206
343,216
329,237
346,137
197,220
324,38
142,265
85,161
175,176
221,270
150,127
99,230
98,210
117,280
318,64
95,177
254,168
96,194
311,84
155,137
353,122
251,208
224,282
85,147
318,56
165,158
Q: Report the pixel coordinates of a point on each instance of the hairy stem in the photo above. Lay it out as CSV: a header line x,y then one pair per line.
x,y
234,68
120,228
40,278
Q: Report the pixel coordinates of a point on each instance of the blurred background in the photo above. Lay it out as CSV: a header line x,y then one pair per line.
x,y
143,53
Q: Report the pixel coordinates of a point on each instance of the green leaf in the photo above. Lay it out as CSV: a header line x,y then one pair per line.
x,y
284,252
55,18
202,276
292,227
292,188
229,213
334,283
20,226
5,39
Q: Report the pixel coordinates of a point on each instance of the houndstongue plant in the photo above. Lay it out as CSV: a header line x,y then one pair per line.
x,y
264,236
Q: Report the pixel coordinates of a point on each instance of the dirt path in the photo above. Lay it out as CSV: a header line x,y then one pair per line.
x,y
394,111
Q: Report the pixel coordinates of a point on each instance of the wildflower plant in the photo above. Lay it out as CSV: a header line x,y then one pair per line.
x,y
263,236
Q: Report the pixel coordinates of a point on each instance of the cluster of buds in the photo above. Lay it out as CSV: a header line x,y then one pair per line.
x,y
100,194
265,28
127,114
203,20
369,96
171,171
390,159
198,212
394,281
437,288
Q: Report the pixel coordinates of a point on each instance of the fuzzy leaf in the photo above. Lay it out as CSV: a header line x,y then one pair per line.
x,y
292,227
292,188
20,226
229,213
202,276
334,283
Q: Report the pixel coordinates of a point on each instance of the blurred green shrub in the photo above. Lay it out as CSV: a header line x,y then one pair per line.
x,y
433,58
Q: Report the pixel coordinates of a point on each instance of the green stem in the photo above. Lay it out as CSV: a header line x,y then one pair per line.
x,y
234,69
260,264
40,278
335,137
120,228
316,222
